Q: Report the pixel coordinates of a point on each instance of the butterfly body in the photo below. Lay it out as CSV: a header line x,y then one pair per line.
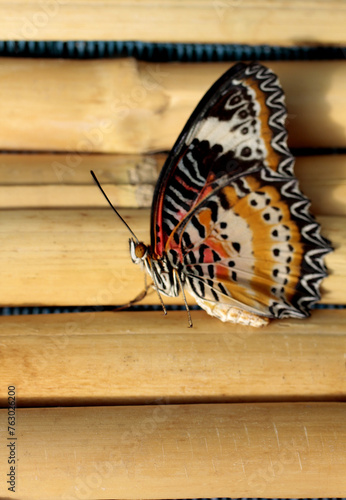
x,y
229,223
161,269
164,273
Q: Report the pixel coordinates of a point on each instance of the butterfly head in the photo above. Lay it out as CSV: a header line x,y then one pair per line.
x,y
138,251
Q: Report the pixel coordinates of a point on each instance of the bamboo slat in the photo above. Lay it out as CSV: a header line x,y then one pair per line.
x,y
323,179
81,257
123,106
224,21
73,169
140,358
52,181
189,451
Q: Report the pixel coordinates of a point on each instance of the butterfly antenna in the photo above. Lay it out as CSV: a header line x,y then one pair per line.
x,y
111,205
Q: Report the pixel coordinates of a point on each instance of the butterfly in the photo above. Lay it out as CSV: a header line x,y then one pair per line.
x,y
229,223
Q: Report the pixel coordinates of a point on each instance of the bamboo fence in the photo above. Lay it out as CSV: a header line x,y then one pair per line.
x,y
130,405
289,22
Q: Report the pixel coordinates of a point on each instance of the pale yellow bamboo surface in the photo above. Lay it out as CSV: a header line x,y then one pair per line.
x,y
125,106
52,181
224,21
143,357
81,257
170,451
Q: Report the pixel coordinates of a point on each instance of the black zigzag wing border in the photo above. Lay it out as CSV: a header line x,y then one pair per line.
x,y
269,84
313,267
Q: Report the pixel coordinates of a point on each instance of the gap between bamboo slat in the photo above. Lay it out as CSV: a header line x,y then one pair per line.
x,y
168,451
292,22
52,181
81,257
128,106
143,357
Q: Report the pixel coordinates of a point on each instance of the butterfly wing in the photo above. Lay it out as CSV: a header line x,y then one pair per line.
x,y
227,208
248,250
231,130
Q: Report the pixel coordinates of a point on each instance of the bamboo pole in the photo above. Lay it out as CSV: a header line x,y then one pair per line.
x,y
169,451
126,106
136,358
71,257
72,169
323,179
48,181
76,257
226,21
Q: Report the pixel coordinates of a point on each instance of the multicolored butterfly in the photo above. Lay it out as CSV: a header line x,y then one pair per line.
x,y
228,222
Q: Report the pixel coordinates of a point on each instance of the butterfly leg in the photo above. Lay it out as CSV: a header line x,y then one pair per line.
x,y
138,297
184,297
158,293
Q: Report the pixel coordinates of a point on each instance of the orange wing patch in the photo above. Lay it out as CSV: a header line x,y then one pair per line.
x,y
257,259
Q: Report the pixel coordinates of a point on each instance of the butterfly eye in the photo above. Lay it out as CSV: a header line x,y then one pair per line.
x,y
140,250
